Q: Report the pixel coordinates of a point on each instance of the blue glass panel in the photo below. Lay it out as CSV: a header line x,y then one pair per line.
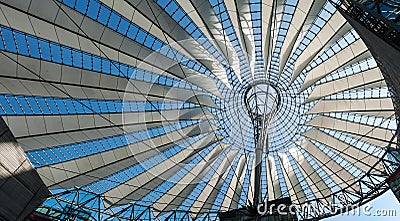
x,y
93,9
45,50
21,43
66,56
82,6
56,53
8,38
104,15
114,21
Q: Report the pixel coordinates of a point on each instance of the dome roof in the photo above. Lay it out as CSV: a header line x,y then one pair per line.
x,y
144,102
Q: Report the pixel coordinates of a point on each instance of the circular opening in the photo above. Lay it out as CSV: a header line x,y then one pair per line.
x,y
262,99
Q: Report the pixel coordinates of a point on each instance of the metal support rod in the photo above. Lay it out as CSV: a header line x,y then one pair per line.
x,y
257,175
262,101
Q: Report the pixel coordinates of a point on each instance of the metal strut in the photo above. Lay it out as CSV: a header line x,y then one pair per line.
x,y
262,101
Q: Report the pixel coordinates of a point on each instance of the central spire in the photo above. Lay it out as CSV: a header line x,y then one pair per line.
x,y
262,101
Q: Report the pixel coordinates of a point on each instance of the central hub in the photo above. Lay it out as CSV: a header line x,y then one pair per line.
x,y
262,100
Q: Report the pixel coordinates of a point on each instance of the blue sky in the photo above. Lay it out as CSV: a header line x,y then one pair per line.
x,y
386,201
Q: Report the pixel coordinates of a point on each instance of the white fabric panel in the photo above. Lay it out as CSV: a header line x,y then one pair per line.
x,y
270,188
250,192
126,51
235,20
295,189
205,193
205,10
64,81
202,127
334,29
317,185
112,167
277,191
211,200
58,173
365,78
138,18
383,113
351,154
119,194
267,19
231,192
52,130
380,107
239,186
163,171
188,7
338,174
376,135
353,53
167,201
298,20
246,26
45,140
313,13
